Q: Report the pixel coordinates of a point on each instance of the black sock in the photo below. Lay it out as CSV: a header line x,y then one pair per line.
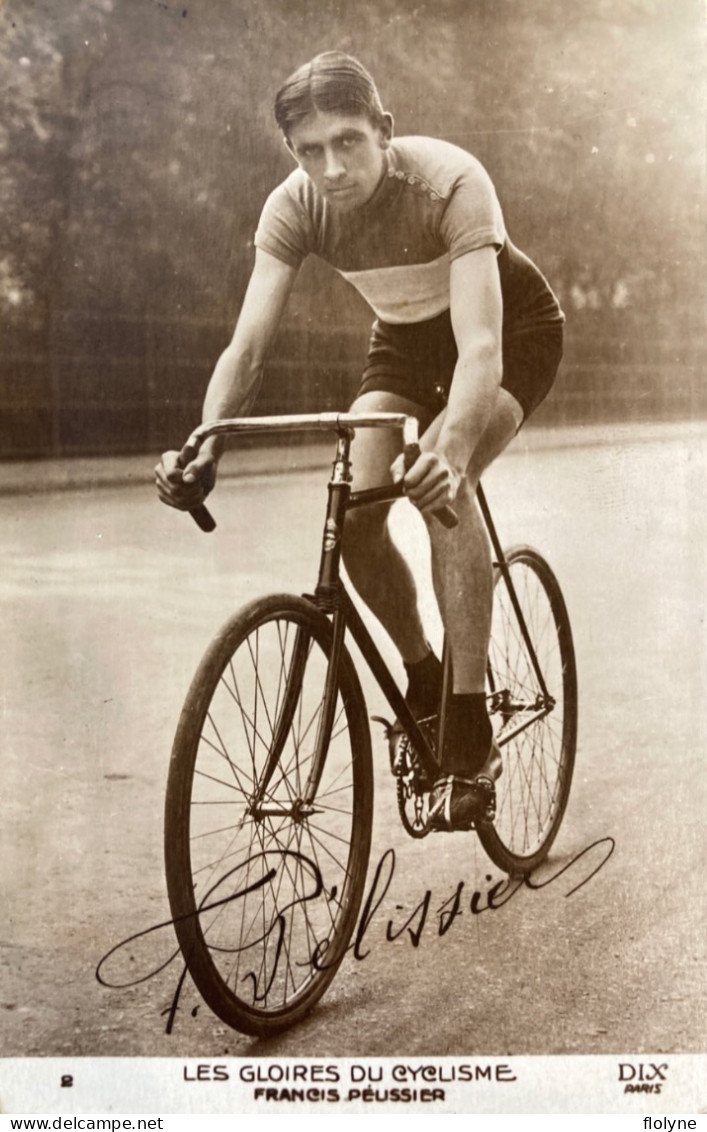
x,y
424,689
467,734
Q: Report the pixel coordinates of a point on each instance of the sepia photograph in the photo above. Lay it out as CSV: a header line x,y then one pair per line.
x,y
353,432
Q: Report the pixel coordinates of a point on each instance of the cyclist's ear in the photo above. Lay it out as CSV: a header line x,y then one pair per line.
x,y
386,127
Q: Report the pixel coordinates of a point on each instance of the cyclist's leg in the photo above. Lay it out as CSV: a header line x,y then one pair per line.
x,y
376,567
463,579
461,557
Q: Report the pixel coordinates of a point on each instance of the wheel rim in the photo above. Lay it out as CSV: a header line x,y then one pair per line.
x,y
272,875
532,728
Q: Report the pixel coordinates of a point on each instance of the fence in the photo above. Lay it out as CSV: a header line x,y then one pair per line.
x,y
90,385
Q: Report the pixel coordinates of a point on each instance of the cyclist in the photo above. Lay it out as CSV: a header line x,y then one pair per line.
x,y
467,337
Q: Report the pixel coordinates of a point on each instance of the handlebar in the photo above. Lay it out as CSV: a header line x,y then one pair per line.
x,y
305,422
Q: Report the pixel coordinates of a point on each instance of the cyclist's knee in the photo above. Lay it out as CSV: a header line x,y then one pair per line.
x,y
503,426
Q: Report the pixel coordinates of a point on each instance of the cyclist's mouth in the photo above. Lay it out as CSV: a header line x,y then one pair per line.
x,y
341,191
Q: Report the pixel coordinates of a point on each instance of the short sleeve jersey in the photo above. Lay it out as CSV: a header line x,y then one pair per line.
x,y
434,203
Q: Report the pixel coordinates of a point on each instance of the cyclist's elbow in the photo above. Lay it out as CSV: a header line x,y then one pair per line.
x,y
484,352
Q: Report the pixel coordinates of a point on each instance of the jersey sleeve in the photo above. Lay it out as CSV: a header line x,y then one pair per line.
x,y
284,229
472,219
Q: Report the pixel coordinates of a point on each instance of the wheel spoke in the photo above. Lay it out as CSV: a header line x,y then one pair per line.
x,y
278,879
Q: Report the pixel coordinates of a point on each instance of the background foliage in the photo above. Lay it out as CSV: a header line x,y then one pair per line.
x,y
137,146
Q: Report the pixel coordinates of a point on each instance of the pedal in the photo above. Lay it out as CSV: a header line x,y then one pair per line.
x,y
398,747
458,804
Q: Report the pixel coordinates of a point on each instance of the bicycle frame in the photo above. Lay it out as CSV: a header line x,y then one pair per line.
x,y
332,598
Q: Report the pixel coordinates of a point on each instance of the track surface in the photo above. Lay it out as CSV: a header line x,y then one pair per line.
x,y
108,600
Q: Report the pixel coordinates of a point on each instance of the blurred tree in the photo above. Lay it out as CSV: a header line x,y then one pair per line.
x,y
47,52
138,146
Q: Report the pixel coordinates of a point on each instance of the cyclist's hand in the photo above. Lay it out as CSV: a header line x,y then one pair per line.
x,y
431,483
185,487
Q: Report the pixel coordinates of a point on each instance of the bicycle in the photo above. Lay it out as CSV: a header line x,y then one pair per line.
x,y
270,789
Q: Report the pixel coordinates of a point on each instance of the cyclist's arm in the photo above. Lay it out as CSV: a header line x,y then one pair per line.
x,y
235,381
236,378
476,308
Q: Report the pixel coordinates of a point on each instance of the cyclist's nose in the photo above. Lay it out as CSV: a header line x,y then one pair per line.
x,y
334,168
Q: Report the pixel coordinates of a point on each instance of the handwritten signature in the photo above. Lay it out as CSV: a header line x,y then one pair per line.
x,y
578,871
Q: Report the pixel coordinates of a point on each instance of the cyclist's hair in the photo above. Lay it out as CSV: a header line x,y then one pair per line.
x,y
333,82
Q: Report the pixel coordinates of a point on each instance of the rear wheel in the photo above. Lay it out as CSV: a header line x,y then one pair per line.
x,y
533,707
264,885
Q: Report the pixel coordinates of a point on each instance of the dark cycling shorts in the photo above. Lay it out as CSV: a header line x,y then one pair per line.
x,y
417,361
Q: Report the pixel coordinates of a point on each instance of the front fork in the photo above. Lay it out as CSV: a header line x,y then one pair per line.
x,y
327,597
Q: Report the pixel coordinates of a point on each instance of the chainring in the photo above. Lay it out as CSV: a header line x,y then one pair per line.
x,y
411,787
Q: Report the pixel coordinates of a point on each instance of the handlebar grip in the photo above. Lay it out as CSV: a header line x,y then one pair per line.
x,y
446,515
203,518
201,514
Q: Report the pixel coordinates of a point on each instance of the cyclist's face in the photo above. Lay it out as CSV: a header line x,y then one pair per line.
x,y
342,154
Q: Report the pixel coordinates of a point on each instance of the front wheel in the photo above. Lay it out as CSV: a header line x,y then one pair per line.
x,y
532,698
264,881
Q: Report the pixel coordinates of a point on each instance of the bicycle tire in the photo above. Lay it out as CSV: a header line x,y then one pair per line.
x,y
537,746
264,905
